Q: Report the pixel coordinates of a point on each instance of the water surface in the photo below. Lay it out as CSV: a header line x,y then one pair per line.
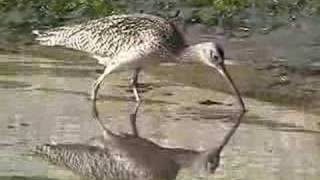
x,y
46,100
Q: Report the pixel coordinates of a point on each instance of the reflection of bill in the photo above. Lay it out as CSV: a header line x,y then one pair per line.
x,y
124,156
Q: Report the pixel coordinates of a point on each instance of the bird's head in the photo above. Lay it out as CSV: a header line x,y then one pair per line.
x,y
206,162
212,54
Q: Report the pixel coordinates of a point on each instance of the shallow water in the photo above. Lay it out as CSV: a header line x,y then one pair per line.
x,y
45,100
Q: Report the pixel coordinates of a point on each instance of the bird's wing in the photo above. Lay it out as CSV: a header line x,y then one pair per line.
x,y
106,37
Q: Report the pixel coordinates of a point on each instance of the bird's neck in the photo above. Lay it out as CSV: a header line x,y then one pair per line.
x,y
188,54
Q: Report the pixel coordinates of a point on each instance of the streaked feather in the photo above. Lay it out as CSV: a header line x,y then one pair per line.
x,y
111,36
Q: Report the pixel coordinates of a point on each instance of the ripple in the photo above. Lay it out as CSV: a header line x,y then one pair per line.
x,y
4,84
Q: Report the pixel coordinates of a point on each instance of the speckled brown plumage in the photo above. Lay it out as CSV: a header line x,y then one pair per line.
x,y
110,36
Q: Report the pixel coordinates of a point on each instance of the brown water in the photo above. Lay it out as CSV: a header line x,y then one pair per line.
x,y
45,100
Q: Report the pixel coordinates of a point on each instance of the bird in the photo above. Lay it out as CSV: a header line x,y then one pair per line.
x,y
130,157
117,158
133,42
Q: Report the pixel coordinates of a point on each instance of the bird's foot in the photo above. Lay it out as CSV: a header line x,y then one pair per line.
x,y
93,96
90,98
127,135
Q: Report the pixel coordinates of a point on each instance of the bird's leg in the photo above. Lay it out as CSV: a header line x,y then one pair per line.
x,y
133,115
95,115
97,83
133,119
134,83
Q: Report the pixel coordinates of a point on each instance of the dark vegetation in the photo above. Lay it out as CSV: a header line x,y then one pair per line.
x,y
18,16
21,16
227,11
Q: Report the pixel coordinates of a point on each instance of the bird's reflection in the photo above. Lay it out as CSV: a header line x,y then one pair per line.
x,y
106,130
131,157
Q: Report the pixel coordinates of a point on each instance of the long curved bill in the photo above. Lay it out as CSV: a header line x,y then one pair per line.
x,y
222,70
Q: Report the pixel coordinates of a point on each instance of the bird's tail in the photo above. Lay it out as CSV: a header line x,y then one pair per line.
x,y
54,37
61,154
42,37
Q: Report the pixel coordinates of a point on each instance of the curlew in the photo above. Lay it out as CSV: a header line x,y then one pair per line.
x,y
131,157
134,42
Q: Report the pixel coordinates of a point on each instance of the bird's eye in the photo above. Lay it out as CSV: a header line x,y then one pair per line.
x,y
213,56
